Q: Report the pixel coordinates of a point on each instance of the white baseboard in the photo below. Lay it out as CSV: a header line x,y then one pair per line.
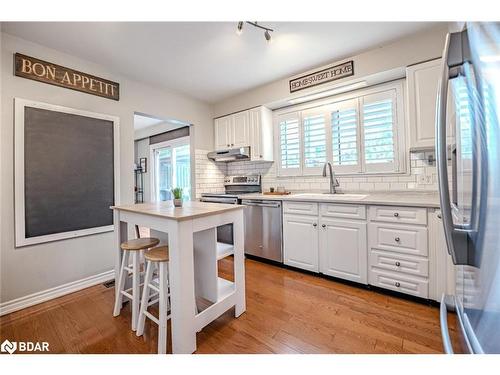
x,y
58,291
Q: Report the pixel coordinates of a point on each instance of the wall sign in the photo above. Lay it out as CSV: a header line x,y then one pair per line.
x,y
329,74
53,74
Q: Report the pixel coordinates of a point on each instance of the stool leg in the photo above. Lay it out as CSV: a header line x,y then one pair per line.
x,y
145,299
135,289
162,327
120,285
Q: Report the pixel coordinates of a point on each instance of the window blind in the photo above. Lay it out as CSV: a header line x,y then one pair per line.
x,y
344,124
314,140
378,131
289,143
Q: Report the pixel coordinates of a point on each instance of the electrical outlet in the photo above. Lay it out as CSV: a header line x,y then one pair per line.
x,y
424,179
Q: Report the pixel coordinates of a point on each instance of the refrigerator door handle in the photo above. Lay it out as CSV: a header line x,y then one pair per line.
x,y
443,318
455,235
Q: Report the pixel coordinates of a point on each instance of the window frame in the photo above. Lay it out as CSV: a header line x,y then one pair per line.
x,y
325,104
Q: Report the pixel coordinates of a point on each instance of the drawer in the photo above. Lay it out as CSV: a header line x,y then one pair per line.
x,y
406,239
414,285
304,208
348,211
403,215
399,263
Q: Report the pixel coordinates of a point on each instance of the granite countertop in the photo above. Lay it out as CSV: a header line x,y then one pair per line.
x,y
189,209
389,198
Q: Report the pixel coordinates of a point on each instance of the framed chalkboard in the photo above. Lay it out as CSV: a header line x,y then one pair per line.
x,y
66,172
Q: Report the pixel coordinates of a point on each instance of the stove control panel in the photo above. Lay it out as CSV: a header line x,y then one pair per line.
x,y
242,180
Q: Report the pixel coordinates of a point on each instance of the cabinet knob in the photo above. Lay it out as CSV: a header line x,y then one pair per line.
x,y
397,239
397,284
398,264
439,216
323,225
315,224
260,156
396,214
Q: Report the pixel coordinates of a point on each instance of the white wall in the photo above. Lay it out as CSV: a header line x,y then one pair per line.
x,y
422,46
36,268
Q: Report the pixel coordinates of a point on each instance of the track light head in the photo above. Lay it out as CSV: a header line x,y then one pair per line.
x,y
239,31
267,35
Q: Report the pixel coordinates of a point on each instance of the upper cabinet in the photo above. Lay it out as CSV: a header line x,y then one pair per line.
x,y
247,128
422,85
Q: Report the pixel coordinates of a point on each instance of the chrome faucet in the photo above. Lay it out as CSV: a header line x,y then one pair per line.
x,y
333,181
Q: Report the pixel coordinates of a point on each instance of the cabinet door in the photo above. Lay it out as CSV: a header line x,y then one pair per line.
x,y
240,129
343,249
422,81
300,237
222,129
255,134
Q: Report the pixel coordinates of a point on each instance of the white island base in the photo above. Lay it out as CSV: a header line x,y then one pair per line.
x,y
192,241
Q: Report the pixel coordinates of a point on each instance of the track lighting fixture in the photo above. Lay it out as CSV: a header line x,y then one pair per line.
x,y
267,30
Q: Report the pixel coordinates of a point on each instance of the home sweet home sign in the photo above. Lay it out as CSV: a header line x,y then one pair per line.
x,y
329,74
53,74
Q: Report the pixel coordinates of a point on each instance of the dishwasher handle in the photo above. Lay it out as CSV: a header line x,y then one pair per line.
x,y
260,203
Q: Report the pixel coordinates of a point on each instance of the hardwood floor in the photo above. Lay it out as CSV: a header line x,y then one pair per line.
x,y
287,312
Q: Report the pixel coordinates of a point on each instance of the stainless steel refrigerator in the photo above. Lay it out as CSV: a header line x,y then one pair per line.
x,y
468,162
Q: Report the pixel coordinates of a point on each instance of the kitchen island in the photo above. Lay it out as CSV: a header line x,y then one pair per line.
x,y
192,241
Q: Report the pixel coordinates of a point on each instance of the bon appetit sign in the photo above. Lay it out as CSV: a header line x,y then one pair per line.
x,y
53,74
322,76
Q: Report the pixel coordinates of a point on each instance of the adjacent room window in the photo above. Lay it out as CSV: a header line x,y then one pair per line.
x,y
172,168
358,132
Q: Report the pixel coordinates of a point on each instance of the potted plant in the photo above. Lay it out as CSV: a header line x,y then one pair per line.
x,y
177,192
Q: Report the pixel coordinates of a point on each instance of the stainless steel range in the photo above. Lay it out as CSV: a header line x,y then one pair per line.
x,y
234,187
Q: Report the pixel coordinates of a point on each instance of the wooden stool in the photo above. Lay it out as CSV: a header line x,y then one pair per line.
x,y
156,257
133,247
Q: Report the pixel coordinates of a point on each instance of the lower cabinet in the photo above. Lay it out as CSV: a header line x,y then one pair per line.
x,y
342,249
329,245
300,241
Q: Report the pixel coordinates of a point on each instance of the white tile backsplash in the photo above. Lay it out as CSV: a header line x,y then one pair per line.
x,y
210,176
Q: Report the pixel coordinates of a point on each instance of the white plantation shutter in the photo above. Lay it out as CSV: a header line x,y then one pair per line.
x,y
345,136
379,131
314,135
289,138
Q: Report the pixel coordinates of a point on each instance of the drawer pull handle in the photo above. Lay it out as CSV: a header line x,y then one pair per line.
x,y
396,214
397,284
397,239
398,264
315,224
323,225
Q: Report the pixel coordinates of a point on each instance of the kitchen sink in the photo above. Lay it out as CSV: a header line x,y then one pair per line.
x,y
336,196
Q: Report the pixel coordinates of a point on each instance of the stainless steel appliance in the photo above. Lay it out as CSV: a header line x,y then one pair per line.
x,y
233,154
469,100
263,229
234,187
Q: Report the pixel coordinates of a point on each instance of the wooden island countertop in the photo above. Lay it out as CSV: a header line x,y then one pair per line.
x,y
190,209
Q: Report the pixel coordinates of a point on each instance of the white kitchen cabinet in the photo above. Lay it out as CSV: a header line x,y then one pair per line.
x,y
247,128
261,134
232,131
223,132
300,241
343,249
240,129
422,85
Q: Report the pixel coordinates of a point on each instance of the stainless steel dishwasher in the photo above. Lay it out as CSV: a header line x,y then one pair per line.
x,y
263,229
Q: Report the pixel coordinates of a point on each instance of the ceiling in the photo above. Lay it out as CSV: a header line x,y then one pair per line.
x,y
208,60
142,122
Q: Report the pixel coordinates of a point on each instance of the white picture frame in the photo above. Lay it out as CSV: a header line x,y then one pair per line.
x,y
19,187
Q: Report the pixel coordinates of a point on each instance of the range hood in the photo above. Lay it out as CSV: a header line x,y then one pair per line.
x,y
233,154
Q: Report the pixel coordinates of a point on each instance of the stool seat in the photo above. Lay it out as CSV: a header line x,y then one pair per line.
x,y
157,254
139,244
